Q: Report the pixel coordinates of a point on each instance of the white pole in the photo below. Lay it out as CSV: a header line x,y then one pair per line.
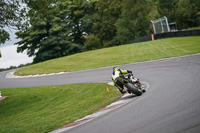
x,y
153,27
161,25
0,95
167,24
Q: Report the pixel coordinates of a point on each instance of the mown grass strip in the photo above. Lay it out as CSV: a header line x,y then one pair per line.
x,y
43,109
123,54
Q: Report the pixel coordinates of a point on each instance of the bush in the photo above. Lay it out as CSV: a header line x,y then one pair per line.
x,y
92,42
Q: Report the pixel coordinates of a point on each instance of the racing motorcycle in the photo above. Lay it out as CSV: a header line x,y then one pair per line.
x,y
132,84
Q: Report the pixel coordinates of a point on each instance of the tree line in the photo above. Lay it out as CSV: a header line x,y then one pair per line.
x,y
54,28
15,67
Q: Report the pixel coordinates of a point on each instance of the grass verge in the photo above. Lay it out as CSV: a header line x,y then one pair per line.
x,y
123,54
43,109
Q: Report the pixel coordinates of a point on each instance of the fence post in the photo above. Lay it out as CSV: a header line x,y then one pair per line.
x,y
152,37
0,95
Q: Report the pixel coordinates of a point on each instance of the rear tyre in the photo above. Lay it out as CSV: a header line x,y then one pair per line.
x,y
133,89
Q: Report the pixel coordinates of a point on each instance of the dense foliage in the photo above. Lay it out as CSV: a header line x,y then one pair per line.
x,y
186,13
63,27
11,16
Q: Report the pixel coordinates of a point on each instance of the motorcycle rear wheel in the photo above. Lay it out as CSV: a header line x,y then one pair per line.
x,y
133,89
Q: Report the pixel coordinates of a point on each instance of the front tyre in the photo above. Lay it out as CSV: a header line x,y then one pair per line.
x,y
133,89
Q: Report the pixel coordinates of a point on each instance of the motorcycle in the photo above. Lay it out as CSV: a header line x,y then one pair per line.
x,y
132,84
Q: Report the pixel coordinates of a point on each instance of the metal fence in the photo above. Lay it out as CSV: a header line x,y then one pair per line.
x,y
168,35
160,25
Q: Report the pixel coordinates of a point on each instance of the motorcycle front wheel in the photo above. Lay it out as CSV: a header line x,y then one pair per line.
x,y
133,89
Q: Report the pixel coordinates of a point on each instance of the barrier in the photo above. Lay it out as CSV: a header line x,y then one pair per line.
x,y
183,33
141,39
178,34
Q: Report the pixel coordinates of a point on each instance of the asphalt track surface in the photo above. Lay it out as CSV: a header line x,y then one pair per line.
x,y
171,105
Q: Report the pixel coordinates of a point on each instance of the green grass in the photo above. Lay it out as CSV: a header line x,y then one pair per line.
x,y
43,109
123,54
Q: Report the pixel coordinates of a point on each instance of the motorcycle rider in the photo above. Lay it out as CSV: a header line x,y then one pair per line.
x,y
118,78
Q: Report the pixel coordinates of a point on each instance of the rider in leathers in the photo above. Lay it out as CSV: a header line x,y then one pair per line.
x,y
118,77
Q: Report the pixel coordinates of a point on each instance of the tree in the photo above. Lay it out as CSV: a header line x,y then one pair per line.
x,y
185,13
82,12
51,34
106,14
134,21
92,42
11,16
34,36
188,13
168,8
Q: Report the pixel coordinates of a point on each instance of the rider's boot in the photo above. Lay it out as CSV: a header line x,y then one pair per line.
x,y
142,89
122,91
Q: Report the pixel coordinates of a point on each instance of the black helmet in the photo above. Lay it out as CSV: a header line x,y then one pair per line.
x,y
115,67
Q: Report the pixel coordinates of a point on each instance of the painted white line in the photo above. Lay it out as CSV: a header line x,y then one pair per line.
x,y
61,73
116,103
11,75
37,75
43,75
50,74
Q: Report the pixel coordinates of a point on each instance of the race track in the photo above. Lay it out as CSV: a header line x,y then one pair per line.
x,y
171,105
